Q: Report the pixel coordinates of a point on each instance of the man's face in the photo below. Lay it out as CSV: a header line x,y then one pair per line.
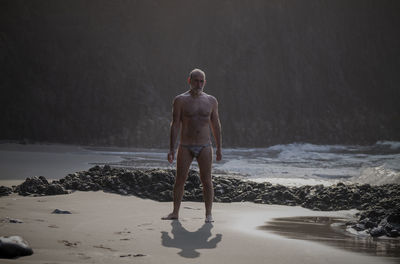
x,y
197,82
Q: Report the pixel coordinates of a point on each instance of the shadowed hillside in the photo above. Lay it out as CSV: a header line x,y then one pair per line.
x,y
106,72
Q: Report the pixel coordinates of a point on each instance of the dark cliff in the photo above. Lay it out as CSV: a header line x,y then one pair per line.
x,y
105,72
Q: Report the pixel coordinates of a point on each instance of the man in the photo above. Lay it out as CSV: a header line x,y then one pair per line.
x,y
193,113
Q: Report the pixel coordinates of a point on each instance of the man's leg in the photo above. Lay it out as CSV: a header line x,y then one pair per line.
x,y
183,160
205,161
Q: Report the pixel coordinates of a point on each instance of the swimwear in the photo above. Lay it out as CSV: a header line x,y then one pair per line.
x,y
196,149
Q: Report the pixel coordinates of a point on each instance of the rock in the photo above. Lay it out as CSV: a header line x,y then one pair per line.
x,y
394,233
58,211
55,189
13,247
377,231
359,227
225,199
95,168
394,219
368,223
4,190
34,185
39,186
14,220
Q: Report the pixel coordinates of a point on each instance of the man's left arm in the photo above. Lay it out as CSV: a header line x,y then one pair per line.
x,y
216,128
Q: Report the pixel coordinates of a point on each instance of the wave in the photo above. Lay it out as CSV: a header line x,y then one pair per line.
x,y
378,175
395,145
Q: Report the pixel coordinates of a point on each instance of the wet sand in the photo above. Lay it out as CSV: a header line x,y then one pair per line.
x,y
332,231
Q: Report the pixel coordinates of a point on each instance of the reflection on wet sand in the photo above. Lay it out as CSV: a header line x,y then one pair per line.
x,y
332,231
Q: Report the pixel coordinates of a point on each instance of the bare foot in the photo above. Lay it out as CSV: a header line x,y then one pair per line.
x,y
209,219
171,216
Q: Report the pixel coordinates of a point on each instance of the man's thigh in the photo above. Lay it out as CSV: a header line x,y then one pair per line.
x,y
183,160
205,163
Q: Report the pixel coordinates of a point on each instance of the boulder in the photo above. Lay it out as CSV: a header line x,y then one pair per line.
x,y
13,247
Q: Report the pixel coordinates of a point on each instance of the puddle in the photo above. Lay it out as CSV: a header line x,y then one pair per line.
x,y
332,231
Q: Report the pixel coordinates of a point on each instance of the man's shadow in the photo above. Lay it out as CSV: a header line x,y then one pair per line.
x,y
187,241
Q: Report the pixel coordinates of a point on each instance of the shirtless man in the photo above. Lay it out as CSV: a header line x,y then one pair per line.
x,y
194,112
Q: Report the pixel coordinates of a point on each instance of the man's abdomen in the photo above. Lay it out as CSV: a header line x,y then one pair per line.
x,y
195,132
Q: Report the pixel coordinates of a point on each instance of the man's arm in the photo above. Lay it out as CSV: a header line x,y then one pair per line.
x,y
175,126
216,128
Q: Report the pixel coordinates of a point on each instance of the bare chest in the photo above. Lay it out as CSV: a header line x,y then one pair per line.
x,y
196,109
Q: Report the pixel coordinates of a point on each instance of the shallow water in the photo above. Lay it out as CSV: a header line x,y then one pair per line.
x,y
332,231
292,165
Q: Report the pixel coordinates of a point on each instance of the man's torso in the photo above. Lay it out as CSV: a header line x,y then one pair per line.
x,y
195,118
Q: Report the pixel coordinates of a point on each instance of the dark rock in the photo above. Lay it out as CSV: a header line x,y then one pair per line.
x,y
34,185
368,223
95,168
14,220
4,190
394,233
359,227
13,247
377,231
394,219
58,211
365,187
55,189
225,199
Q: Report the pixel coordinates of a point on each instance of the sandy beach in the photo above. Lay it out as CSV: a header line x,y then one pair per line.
x,y
110,228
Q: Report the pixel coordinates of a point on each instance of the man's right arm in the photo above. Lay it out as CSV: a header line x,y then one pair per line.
x,y
175,126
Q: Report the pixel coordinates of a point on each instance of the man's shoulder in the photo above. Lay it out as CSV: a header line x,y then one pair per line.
x,y
211,98
180,97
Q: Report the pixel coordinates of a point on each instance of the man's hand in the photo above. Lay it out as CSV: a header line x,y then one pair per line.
x,y
219,154
171,156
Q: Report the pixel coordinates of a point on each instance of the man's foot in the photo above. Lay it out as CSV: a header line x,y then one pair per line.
x,y
209,219
171,216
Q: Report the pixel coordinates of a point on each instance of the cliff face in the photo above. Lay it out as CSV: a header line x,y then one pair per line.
x,y
102,72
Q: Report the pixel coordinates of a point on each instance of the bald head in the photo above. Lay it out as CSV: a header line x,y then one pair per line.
x,y
197,72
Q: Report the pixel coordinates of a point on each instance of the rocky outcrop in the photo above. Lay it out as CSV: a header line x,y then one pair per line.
x,y
378,221
40,186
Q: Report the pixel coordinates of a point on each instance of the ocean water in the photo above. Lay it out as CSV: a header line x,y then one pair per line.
x,y
291,165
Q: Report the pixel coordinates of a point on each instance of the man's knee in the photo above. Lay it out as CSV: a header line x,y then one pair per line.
x,y
180,182
207,184
180,179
